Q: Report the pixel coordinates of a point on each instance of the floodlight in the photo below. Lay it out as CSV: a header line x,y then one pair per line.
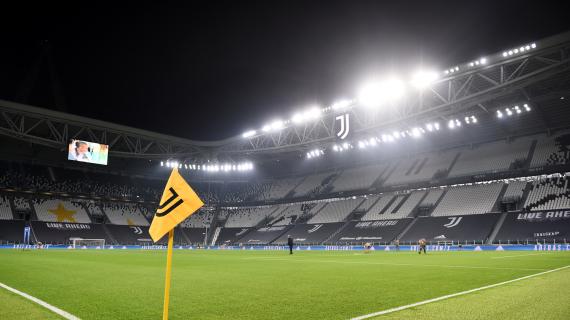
x,y
471,64
249,133
376,93
527,47
467,120
372,141
499,114
526,107
457,123
297,118
505,54
277,125
483,60
312,113
341,104
422,79
345,145
361,145
509,112
396,134
474,119
266,128
416,133
533,45
161,164
510,52
436,125
456,68
446,72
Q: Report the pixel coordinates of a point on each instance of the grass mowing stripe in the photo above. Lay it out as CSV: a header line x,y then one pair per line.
x,y
394,264
379,313
42,303
519,255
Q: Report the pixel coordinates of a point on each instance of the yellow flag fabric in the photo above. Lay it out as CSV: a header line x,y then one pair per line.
x,y
178,202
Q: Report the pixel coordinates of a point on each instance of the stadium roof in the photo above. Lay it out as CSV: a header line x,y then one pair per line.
x,y
536,72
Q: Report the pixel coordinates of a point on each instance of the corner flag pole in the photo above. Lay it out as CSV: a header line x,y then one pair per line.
x,y
167,279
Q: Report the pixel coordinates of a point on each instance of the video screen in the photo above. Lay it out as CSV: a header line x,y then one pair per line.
x,y
91,152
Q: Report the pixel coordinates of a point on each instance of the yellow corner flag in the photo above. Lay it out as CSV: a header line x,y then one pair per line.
x,y
178,202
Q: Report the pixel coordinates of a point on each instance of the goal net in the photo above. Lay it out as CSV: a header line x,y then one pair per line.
x,y
78,243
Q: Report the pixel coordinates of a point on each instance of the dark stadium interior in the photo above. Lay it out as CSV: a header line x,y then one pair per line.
x,y
501,99
285,160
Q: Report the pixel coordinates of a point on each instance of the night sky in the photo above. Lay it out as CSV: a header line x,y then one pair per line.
x,y
211,70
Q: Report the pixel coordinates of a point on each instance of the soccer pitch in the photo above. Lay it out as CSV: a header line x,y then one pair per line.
x,y
129,284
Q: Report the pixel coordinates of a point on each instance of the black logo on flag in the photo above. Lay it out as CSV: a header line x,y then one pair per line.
x,y
172,198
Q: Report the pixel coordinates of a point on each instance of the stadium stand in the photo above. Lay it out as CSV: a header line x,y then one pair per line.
x,y
21,203
285,216
229,235
491,157
264,235
358,178
406,205
535,227
422,167
468,228
549,194
515,190
309,233
265,212
5,210
313,184
199,219
125,214
248,216
196,236
61,233
551,150
56,210
335,211
280,188
376,211
470,199
11,231
370,231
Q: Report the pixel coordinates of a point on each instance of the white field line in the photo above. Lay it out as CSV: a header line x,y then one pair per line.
x,y
42,303
379,313
393,264
519,255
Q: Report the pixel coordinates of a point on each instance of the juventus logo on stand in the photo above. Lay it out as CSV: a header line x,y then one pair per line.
x,y
315,228
453,223
137,230
344,125
160,212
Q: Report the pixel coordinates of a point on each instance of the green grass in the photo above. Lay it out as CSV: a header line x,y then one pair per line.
x,y
124,284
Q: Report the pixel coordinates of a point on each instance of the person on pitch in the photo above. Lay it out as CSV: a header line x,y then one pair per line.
x,y
290,244
422,244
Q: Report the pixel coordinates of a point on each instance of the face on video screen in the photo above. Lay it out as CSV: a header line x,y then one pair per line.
x,y
90,152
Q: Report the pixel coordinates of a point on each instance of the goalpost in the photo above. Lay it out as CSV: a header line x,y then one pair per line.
x,y
78,243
